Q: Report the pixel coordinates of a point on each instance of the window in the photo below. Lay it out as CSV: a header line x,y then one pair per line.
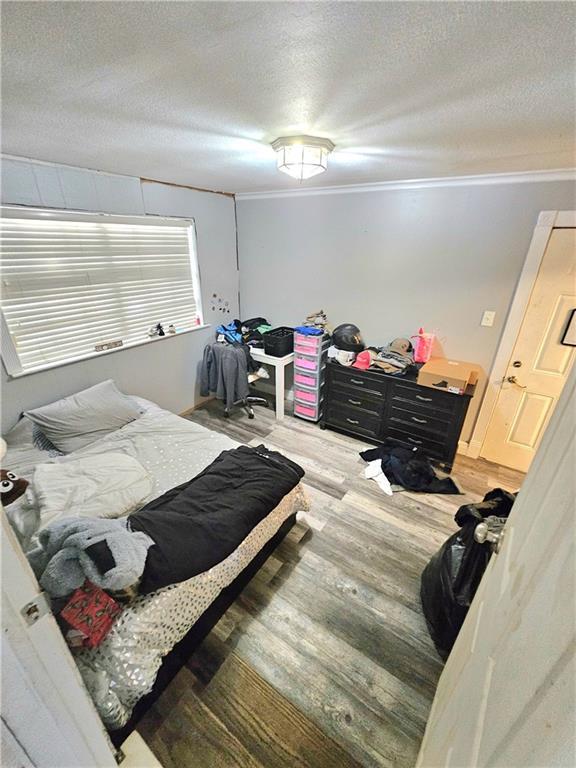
x,y
72,281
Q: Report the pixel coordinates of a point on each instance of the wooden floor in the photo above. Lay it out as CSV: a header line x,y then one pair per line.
x,y
325,659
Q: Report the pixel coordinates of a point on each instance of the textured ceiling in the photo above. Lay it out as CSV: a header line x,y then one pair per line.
x,y
193,92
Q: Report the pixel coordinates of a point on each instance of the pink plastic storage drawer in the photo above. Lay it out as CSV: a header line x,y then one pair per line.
x,y
305,395
306,411
304,348
306,380
309,363
311,343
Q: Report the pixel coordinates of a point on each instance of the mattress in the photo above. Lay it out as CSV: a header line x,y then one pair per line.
x,y
172,450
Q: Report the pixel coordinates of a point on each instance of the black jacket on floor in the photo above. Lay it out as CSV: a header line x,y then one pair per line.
x,y
199,523
410,469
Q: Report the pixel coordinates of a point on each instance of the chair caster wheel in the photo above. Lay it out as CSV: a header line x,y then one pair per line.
x,y
226,415
250,415
322,426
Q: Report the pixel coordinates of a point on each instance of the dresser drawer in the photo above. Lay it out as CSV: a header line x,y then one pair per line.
x,y
344,378
366,401
434,420
353,420
418,424
423,398
427,444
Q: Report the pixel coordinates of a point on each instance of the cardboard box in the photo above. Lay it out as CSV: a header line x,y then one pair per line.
x,y
448,375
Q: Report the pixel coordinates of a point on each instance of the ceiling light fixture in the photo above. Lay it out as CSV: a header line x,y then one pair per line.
x,y
302,156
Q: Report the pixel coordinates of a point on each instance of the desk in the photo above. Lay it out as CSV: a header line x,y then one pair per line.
x,y
279,364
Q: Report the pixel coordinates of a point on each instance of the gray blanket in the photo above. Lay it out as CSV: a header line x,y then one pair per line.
x,y
75,549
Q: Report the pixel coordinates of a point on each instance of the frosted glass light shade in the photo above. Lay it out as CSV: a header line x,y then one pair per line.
x,y
302,156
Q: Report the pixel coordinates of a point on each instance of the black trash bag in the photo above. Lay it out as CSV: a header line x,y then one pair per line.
x,y
451,578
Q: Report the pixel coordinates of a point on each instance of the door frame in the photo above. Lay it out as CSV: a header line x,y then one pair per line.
x,y
547,221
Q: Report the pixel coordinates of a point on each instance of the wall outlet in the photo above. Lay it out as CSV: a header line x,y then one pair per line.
x,y
488,318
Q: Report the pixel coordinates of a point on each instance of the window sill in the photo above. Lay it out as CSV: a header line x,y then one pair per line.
x,y
94,355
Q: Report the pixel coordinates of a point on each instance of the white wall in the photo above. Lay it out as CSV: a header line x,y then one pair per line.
x,y
393,260
164,371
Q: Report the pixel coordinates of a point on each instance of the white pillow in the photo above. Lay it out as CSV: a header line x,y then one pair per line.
x,y
78,420
104,485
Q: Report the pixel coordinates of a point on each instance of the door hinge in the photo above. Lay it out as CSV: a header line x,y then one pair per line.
x,y
36,608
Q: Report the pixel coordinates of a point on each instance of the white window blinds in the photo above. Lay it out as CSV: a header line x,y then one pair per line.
x,y
72,281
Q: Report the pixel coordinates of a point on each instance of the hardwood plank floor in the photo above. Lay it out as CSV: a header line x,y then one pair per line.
x,y
324,659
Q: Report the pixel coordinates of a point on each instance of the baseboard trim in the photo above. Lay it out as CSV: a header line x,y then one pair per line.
x,y
197,405
462,448
474,448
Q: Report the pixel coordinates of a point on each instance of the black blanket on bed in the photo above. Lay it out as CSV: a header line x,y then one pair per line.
x,y
198,524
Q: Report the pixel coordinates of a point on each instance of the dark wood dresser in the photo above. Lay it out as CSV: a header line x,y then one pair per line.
x,y
375,406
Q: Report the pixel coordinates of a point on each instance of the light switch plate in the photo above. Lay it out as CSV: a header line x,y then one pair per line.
x,y
488,318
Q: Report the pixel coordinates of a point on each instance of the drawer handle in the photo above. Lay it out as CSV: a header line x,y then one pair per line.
x,y
351,421
412,440
354,402
420,421
424,399
357,381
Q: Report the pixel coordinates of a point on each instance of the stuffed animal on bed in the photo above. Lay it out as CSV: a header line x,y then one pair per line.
x,y
11,486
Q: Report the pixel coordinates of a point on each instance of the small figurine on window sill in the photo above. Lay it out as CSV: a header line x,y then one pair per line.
x,y
171,329
156,330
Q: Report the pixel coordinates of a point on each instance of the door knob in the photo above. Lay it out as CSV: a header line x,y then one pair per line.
x,y
491,531
513,380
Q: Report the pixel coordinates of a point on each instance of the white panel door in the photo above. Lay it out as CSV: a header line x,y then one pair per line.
x,y
507,696
539,364
46,711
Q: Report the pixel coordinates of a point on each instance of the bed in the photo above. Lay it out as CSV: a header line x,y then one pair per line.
x,y
155,632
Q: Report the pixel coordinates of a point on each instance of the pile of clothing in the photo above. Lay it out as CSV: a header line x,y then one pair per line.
x,y
349,350
390,464
71,550
250,332
394,359
317,320
253,331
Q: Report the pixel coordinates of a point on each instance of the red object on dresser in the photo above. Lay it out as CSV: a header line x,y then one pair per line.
x,y
92,612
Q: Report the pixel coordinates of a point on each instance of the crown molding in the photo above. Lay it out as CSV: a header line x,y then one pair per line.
x,y
521,177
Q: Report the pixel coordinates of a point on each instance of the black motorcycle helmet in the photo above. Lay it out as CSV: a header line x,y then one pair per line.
x,y
348,337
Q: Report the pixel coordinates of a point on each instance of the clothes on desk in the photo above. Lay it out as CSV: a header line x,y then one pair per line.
x,y
253,331
410,469
225,371
232,333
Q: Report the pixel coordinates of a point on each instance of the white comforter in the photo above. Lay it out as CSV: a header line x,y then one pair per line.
x,y
104,485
